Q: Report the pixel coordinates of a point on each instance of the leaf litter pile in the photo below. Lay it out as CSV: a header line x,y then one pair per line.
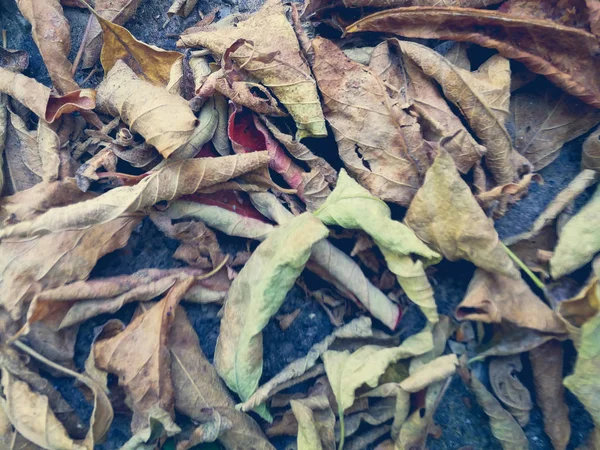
x,y
424,147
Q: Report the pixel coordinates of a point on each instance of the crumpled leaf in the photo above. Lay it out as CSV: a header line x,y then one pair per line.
x,y
117,12
445,215
141,359
197,387
255,296
315,423
590,158
160,423
38,98
482,96
585,304
15,60
348,371
494,298
545,119
3,126
511,340
370,140
23,163
563,54
54,46
593,7
181,8
352,207
287,75
432,372
163,119
504,427
172,181
509,389
583,382
397,3
547,367
358,328
377,413
578,241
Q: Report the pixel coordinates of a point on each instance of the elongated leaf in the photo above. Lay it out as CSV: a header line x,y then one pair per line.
x,y
23,162
432,372
445,215
545,119
397,3
370,140
172,181
590,159
579,240
563,54
352,207
348,371
315,423
255,296
509,389
286,74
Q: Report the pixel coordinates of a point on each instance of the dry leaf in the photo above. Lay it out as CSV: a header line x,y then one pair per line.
x,y
370,140
445,215
358,328
54,45
432,372
255,296
22,157
509,389
14,60
3,126
482,96
545,119
584,380
141,359
397,3
182,8
590,159
287,74
493,298
593,7
315,423
564,54
578,241
585,304
504,426
172,181
163,119
347,372
547,367
117,12
352,207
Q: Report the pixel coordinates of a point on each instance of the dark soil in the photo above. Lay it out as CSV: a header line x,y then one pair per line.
x,y
462,426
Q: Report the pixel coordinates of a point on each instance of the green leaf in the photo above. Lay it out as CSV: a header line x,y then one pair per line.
x,y
351,206
255,296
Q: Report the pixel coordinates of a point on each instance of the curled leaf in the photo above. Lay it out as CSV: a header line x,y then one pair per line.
x,y
445,215
315,423
590,159
509,389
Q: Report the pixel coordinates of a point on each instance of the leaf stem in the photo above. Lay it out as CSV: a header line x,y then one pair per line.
x,y
525,269
342,429
45,360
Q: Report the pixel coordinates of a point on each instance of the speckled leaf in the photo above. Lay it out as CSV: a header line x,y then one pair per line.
x,y
255,296
353,207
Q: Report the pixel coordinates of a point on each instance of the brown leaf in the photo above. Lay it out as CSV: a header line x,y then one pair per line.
x,y
494,298
4,114
287,74
315,423
572,13
14,60
118,12
594,15
421,3
509,389
163,119
590,159
50,31
482,96
172,181
140,357
22,158
584,305
370,140
564,54
182,8
547,368
545,119
445,215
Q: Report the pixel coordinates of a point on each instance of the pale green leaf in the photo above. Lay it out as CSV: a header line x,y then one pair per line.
x,y
315,423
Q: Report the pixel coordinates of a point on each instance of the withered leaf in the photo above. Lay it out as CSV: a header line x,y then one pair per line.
x,y
504,426
432,372
23,162
287,75
585,304
315,423
493,298
545,119
578,241
547,367
370,140
117,12
482,96
508,388
594,15
398,3
445,215
3,126
181,8
353,207
255,296
172,181
15,60
165,120
590,159
563,54
140,357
